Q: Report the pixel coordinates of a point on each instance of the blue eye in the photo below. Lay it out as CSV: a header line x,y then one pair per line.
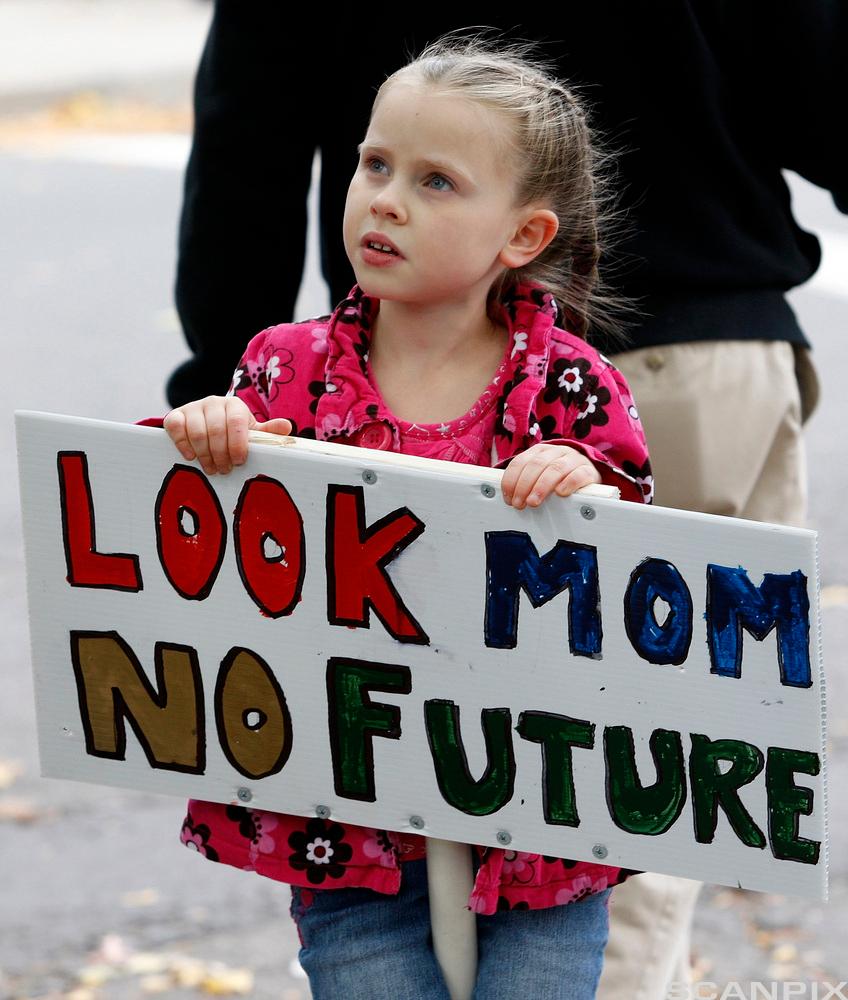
x,y
438,177
374,160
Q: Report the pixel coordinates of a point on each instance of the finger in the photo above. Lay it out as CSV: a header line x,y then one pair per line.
x,y
510,477
198,436
530,475
548,481
579,477
216,429
175,424
237,417
279,425
515,470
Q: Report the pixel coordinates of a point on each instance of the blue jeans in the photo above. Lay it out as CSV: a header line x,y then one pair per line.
x,y
363,945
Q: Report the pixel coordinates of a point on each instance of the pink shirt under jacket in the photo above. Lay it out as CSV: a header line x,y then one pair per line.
x,y
551,386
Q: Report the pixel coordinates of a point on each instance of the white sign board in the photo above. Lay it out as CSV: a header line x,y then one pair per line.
x,y
334,627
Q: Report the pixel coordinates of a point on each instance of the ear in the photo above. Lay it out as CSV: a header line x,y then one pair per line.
x,y
536,229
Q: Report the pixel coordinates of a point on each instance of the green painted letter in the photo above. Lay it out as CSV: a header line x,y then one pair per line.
x,y
786,801
638,808
354,719
557,734
711,787
494,789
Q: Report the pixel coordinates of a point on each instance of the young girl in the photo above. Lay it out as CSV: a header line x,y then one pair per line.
x,y
471,214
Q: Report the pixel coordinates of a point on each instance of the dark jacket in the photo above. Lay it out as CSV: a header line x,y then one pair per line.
x,y
707,100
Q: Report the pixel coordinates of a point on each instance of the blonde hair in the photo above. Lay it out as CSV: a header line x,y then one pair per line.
x,y
557,159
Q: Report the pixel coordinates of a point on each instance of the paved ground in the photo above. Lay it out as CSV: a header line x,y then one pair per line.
x,y
99,902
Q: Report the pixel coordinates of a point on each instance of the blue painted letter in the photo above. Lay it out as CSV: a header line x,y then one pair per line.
x,y
781,600
513,563
669,642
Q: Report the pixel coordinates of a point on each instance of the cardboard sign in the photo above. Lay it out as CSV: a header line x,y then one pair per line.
x,y
330,628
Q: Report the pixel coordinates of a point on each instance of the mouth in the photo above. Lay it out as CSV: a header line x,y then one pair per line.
x,y
378,242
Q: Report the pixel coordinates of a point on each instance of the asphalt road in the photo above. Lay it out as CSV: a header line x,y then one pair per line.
x,y
99,899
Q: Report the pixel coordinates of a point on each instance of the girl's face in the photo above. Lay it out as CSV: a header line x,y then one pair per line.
x,y
433,181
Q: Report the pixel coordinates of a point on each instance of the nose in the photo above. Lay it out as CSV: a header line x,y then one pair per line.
x,y
388,203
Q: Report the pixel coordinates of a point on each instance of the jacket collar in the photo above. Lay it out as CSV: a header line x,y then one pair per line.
x,y
350,402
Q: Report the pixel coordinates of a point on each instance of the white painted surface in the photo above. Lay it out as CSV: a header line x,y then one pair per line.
x,y
442,579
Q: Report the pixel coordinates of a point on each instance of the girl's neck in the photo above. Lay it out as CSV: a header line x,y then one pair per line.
x,y
431,364
408,335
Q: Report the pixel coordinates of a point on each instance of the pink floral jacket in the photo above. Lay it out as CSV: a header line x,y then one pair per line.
x,y
551,386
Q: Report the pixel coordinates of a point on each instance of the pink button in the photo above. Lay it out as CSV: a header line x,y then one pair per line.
x,y
377,436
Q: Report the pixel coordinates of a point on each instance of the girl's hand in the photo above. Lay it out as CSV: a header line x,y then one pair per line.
x,y
544,469
214,431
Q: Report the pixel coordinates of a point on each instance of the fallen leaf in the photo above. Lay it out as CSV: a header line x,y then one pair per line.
x,y
701,967
156,984
785,953
113,950
834,596
188,972
10,771
724,900
764,939
782,972
95,975
146,962
140,897
20,811
219,981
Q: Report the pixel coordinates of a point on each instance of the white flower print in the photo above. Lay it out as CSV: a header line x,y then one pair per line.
x,y
571,380
589,408
647,486
319,851
237,374
272,369
519,343
320,343
330,386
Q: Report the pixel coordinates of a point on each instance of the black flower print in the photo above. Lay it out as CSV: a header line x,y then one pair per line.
x,y
277,372
504,904
196,837
361,346
306,432
316,391
320,850
245,819
353,311
592,412
505,422
643,476
625,874
544,429
241,379
569,381
380,846
253,825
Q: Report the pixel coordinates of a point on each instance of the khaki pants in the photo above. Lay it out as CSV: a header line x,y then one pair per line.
x,y
723,421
